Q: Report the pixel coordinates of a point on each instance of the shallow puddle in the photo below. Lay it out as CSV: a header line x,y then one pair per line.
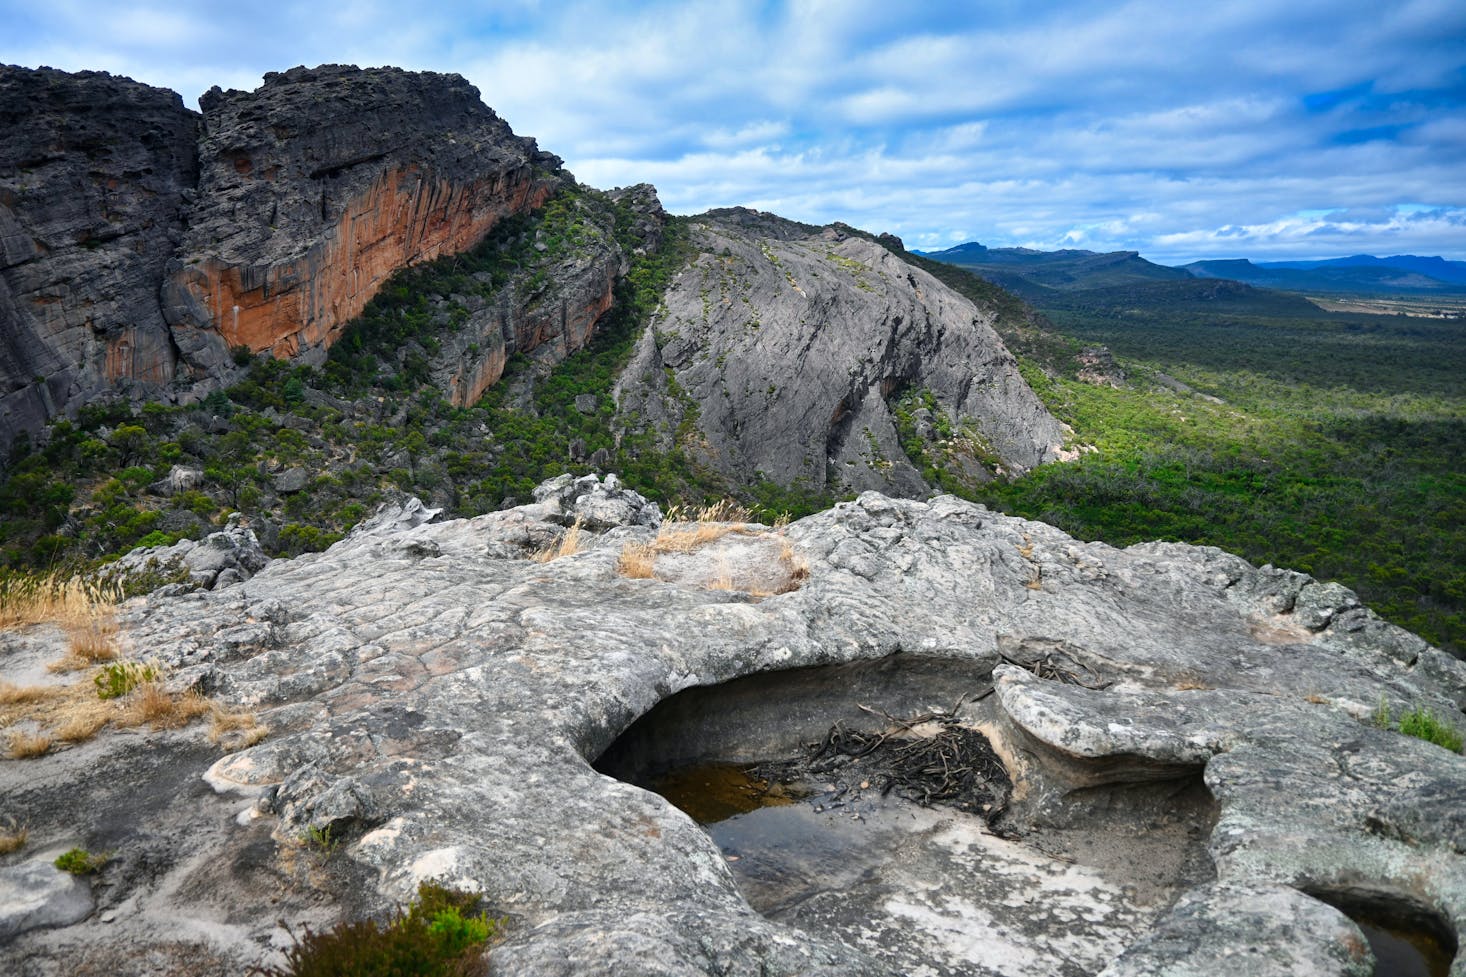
x,y
1404,952
714,792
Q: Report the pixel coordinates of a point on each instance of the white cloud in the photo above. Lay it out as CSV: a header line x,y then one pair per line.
x,y
1141,125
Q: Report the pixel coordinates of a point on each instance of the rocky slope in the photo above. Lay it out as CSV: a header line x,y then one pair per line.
x,y
436,699
139,241
782,351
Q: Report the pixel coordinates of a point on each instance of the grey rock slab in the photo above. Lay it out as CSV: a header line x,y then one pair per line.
x,y
438,698
788,344
1249,931
36,893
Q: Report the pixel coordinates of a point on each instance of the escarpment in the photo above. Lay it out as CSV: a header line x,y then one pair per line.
x,y
96,178
820,358
320,184
140,241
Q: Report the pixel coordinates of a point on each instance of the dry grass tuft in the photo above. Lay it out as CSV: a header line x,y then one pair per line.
x,y
568,545
13,837
25,745
149,704
22,695
637,561
235,730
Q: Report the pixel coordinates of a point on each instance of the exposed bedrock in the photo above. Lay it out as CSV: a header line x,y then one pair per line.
x,y
140,240
786,346
436,699
319,184
96,175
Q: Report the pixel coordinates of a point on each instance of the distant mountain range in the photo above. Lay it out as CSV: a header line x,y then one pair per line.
x,y
1038,274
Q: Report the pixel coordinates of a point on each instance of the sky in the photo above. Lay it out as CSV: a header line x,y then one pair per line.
x,y
1232,128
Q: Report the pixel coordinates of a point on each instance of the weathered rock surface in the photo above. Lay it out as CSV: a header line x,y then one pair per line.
x,y
437,697
139,240
788,345
229,556
319,184
36,894
96,175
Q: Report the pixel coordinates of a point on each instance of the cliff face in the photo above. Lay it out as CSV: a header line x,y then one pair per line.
x,y
95,177
139,240
813,357
318,185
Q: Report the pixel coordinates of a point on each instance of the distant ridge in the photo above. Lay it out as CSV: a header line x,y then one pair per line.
x,y
1033,274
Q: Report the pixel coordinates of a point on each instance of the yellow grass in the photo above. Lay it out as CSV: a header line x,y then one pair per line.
x,y
13,838
149,704
637,560
568,545
74,713
235,730
21,695
32,598
25,745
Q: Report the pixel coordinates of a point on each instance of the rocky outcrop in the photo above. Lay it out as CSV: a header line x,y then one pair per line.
x,y
783,349
551,307
228,556
139,240
437,697
317,186
96,177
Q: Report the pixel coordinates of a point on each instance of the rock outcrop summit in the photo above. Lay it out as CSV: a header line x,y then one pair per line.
x,y
1199,776
788,349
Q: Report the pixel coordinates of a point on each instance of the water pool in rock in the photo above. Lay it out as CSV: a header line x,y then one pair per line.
x,y
926,889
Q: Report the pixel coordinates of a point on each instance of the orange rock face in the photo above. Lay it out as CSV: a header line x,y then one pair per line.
x,y
404,218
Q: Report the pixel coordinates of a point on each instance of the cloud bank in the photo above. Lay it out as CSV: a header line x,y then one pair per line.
x,y
1183,131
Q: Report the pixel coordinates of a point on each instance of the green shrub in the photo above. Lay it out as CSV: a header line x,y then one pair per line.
x,y
115,680
1423,724
79,861
440,935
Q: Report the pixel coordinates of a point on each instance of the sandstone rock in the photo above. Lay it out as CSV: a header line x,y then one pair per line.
x,y
231,555
792,343
37,894
139,241
291,480
322,182
438,698
95,175
179,479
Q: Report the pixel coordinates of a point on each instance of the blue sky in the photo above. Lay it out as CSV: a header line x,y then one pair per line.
x,y
1182,130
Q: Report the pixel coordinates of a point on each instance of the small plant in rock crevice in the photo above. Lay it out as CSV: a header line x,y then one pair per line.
x,y
13,836
79,861
440,935
1421,723
118,679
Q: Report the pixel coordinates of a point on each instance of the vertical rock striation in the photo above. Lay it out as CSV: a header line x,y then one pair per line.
x,y
782,353
140,240
96,173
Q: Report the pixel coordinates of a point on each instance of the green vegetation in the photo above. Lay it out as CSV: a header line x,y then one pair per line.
x,y
79,861
1421,723
1331,444
370,424
442,934
115,679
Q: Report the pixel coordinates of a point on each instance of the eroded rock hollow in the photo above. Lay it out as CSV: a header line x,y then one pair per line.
x,y
436,697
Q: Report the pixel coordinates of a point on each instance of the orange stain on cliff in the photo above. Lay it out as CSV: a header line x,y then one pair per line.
x,y
405,218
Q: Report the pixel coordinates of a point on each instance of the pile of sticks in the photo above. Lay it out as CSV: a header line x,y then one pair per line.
x,y
950,764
